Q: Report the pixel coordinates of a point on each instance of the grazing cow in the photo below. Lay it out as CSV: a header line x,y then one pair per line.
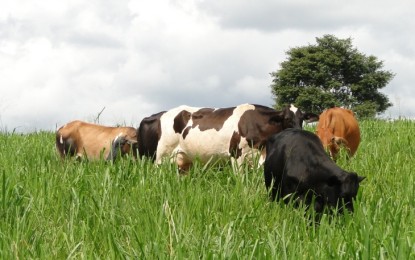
x,y
336,127
297,164
81,139
187,132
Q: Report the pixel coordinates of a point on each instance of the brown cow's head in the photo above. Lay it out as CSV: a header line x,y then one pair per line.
x,y
330,142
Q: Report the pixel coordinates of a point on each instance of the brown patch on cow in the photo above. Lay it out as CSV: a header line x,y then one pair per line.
x,y
180,121
209,118
234,149
267,122
149,133
186,131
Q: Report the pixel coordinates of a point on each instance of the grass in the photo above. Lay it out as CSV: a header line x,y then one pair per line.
x,y
132,209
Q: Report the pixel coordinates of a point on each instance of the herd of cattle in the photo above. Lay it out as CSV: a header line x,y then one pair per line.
x,y
295,160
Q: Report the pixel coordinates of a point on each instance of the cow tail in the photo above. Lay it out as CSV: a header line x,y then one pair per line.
x,y
65,147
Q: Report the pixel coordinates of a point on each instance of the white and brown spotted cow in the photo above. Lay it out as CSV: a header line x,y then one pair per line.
x,y
185,133
93,141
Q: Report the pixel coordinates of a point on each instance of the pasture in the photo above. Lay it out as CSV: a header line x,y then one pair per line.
x,y
131,209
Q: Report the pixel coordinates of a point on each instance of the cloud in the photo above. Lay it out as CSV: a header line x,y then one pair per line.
x,y
304,15
66,60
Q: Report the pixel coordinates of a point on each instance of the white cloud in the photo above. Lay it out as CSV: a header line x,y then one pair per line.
x,y
65,60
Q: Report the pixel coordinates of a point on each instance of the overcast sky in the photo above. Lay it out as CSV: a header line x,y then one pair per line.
x,y
68,59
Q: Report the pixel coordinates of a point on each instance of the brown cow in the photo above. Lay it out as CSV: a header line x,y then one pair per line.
x,y
81,139
338,127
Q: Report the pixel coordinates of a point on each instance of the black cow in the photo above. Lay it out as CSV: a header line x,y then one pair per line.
x,y
297,164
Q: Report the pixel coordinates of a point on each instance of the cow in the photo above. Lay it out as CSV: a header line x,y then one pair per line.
x,y
297,168
186,133
82,139
338,127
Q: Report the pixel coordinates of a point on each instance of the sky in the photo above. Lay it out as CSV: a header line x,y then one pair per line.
x,y
116,62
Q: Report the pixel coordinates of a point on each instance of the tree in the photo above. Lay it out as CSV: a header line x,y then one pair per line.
x,y
331,73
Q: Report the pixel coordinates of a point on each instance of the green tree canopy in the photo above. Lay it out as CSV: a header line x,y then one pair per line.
x,y
331,73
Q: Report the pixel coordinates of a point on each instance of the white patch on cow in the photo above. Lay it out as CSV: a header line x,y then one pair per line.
x,y
169,140
293,108
206,144
61,139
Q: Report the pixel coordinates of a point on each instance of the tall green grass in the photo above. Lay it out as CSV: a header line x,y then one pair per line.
x,y
132,209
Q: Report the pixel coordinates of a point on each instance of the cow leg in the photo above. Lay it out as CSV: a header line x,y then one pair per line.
x,y
183,162
235,165
262,157
79,156
269,181
251,157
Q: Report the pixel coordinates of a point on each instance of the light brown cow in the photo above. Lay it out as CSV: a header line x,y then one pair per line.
x,y
338,127
94,141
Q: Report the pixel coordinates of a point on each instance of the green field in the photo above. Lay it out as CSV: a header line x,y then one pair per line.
x,y
53,209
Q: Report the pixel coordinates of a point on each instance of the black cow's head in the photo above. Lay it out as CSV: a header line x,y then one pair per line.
x,y
339,191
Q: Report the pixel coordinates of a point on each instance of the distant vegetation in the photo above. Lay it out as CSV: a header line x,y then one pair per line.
x,y
53,209
332,73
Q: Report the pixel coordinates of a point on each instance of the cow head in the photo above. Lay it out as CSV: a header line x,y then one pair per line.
x,y
288,119
339,191
330,142
277,119
124,145
300,117
335,144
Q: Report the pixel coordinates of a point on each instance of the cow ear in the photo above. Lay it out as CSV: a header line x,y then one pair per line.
x,y
310,117
360,178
